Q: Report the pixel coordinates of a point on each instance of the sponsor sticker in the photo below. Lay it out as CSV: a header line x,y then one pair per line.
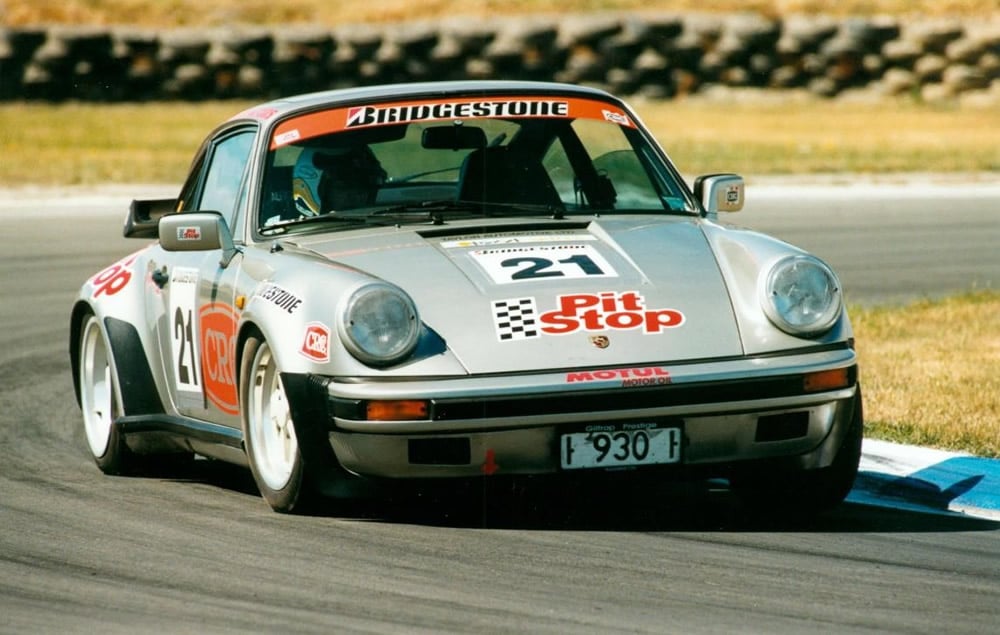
x,y
114,278
392,113
362,116
516,263
520,318
192,232
491,240
184,343
316,342
261,113
218,362
286,137
280,297
515,319
616,117
629,377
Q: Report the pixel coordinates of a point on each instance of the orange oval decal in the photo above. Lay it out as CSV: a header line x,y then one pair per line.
x,y
218,355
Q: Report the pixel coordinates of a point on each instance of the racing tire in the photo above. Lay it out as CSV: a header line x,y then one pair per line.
x,y
268,432
100,401
810,492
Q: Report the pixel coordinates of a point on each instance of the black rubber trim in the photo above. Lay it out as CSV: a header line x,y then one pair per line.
x,y
181,427
750,389
138,388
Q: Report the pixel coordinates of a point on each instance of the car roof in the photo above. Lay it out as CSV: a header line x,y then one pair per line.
x,y
430,90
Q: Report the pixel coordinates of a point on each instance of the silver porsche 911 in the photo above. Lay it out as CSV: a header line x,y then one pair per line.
x,y
445,282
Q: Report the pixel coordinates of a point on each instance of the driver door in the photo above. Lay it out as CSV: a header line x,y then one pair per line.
x,y
196,327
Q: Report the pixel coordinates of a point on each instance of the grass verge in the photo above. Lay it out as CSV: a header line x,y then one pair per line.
x,y
931,372
82,143
222,12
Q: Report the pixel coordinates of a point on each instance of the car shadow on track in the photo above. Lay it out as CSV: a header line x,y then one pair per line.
x,y
689,506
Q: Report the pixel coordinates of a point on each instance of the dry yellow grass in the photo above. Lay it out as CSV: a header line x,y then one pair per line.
x,y
79,143
199,12
801,136
931,372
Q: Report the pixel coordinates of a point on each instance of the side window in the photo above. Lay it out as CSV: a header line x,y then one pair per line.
x,y
227,164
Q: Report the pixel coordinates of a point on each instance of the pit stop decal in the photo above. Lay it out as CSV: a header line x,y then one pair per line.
x,y
519,318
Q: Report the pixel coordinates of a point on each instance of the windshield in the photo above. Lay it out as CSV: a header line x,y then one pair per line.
x,y
428,161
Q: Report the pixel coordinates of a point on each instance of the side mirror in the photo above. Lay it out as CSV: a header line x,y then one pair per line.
x,y
197,231
720,192
144,215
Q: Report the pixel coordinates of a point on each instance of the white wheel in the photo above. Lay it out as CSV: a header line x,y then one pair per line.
x,y
268,432
99,399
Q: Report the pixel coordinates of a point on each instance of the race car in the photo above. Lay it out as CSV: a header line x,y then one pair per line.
x,y
454,281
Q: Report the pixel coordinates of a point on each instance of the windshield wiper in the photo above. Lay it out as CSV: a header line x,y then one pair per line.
x,y
332,217
557,212
432,211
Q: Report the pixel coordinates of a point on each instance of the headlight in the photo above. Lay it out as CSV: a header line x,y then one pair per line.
x,y
379,324
801,296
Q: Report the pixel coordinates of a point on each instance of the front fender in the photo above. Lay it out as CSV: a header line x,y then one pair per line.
x,y
297,311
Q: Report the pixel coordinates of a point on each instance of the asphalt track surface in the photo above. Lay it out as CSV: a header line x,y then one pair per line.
x,y
199,551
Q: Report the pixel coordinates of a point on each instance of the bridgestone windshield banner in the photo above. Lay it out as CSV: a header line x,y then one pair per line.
x,y
357,117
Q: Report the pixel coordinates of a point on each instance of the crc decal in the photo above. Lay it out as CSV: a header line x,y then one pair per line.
x,y
316,343
218,362
519,318
115,278
184,346
514,263
279,297
630,377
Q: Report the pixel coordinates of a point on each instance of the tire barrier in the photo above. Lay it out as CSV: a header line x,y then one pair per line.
x,y
648,54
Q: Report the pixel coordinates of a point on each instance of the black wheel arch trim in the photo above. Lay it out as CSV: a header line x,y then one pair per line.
x,y
135,379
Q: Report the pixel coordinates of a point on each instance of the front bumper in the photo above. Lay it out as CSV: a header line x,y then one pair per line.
x,y
728,412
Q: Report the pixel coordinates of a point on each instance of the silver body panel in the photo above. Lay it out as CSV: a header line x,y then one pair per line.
x,y
674,303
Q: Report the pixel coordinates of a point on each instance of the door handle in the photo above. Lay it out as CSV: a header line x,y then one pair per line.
x,y
160,277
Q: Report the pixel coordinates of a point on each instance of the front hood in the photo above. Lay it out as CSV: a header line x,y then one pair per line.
x,y
516,296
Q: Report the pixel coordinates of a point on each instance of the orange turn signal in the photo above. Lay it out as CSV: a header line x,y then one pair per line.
x,y
401,410
826,380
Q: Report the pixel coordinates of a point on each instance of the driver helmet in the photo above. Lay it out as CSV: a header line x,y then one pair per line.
x,y
325,180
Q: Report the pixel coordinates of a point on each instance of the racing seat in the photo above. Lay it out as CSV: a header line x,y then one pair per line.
x,y
502,175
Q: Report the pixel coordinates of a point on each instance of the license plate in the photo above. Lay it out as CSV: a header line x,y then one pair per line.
x,y
627,446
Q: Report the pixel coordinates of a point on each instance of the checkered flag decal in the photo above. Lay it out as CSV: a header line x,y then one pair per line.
x,y
515,319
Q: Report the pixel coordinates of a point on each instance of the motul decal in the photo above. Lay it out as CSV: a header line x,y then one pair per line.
x,y
218,355
316,343
630,377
